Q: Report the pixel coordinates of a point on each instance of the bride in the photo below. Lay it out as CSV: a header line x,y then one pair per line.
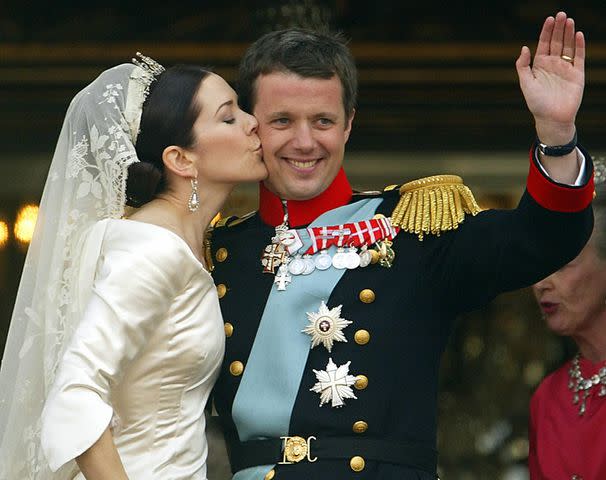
x,y
116,337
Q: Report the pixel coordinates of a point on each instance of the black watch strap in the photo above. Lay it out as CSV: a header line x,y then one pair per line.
x,y
558,150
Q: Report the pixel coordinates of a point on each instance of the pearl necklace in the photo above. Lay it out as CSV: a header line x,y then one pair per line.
x,y
581,387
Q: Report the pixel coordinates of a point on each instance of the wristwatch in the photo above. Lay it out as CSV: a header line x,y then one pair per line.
x,y
557,150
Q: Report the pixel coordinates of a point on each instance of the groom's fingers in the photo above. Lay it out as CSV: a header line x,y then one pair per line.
x,y
579,52
545,37
557,37
569,39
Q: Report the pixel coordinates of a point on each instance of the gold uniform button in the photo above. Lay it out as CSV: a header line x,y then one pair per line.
x,y
360,427
221,254
271,474
229,329
357,464
236,368
367,296
221,290
361,382
362,337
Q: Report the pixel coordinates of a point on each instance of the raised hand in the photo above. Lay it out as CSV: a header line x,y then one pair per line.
x,y
553,85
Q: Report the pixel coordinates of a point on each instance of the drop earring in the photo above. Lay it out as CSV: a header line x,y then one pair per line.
x,y
194,199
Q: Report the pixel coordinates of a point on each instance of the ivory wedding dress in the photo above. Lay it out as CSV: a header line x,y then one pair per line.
x,y
143,359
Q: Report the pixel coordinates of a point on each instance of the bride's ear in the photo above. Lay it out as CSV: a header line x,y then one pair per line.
x,y
179,162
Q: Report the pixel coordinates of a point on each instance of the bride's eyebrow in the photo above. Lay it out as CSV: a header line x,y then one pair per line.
x,y
228,103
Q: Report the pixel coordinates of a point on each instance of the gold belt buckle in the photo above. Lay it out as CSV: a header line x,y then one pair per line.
x,y
296,449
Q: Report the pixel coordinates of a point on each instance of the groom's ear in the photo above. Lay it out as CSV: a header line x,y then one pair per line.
x,y
179,162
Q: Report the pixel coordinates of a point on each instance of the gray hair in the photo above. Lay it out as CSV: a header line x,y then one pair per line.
x,y
599,207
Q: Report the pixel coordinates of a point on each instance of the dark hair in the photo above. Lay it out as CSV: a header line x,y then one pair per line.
x,y
307,53
168,117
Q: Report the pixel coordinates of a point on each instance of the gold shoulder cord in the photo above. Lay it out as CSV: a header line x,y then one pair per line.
x,y
208,256
432,205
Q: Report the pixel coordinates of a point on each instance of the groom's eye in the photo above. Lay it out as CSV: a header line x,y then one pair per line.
x,y
280,121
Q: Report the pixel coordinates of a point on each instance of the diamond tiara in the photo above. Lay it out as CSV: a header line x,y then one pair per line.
x,y
142,78
148,64
152,68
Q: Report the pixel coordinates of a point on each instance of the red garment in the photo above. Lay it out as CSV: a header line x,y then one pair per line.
x,y
563,443
554,196
303,212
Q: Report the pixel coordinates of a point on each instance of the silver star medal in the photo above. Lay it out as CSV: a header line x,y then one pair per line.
x,y
326,326
334,384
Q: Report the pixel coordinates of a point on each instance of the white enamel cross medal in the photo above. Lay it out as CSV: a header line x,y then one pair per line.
x,y
282,278
334,384
326,326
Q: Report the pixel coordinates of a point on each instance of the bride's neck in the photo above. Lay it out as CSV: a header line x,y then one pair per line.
x,y
171,211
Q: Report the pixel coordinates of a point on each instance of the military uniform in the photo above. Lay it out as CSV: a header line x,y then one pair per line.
x,y
378,380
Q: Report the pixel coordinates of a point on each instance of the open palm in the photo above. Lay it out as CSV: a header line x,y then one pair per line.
x,y
553,85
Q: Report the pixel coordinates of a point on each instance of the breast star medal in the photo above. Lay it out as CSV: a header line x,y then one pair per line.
x,y
334,384
326,326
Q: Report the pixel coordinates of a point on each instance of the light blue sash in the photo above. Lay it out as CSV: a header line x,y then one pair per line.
x,y
272,377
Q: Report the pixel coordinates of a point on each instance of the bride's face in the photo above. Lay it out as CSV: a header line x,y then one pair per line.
x,y
227,147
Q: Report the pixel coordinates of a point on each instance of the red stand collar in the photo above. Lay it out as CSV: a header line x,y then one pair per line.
x,y
303,212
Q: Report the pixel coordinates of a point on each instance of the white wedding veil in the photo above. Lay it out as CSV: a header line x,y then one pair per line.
x,y
86,183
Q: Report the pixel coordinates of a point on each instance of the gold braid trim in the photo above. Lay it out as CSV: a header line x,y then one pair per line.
x,y
432,205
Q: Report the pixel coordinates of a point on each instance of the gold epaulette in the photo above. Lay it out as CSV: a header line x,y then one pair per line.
x,y
232,220
238,220
433,205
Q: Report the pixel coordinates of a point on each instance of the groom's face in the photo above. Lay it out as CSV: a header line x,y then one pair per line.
x,y
303,130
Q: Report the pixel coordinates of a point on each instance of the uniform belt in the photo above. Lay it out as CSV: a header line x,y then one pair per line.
x,y
272,451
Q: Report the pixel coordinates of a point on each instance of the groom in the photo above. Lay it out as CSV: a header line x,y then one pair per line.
x,y
338,305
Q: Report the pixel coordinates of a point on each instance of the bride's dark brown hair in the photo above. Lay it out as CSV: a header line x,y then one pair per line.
x,y
168,117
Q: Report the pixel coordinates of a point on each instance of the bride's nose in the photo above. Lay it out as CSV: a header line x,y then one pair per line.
x,y
252,124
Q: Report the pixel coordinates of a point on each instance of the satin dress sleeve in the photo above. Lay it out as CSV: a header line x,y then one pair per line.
x,y
135,283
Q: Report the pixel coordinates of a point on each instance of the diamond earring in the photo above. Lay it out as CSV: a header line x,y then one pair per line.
x,y
194,199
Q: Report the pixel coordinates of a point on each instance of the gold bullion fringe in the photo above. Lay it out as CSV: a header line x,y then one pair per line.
x,y
432,205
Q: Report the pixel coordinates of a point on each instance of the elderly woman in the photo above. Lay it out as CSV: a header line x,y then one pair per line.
x,y
568,410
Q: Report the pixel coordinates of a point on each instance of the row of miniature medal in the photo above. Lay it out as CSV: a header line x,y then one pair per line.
x,y
286,243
